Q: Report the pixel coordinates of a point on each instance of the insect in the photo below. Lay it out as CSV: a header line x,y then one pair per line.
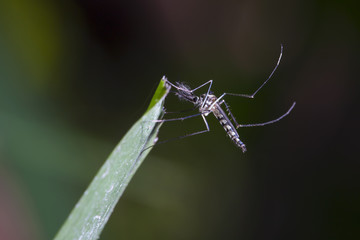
x,y
209,103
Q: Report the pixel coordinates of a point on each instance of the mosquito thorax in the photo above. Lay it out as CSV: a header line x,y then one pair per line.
x,y
206,102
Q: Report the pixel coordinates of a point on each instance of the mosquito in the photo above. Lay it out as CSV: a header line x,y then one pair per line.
x,y
209,103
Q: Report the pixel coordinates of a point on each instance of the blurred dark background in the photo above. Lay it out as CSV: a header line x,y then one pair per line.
x,y
75,75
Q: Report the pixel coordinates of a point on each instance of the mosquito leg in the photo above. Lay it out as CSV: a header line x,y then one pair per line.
x,y
196,133
208,82
176,119
277,64
193,90
230,113
187,135
171,84
257,90
269,122
186,110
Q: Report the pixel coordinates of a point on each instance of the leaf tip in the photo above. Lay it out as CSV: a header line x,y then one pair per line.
x,y
160,93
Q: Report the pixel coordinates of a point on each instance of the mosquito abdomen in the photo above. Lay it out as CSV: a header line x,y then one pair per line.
x,y
229,127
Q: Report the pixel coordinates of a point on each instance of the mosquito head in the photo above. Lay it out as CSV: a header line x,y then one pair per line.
x,y
184,93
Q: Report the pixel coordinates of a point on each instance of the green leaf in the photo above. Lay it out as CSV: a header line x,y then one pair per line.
x,y
91,213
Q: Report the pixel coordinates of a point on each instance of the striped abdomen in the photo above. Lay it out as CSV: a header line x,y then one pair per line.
x,y
228,127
